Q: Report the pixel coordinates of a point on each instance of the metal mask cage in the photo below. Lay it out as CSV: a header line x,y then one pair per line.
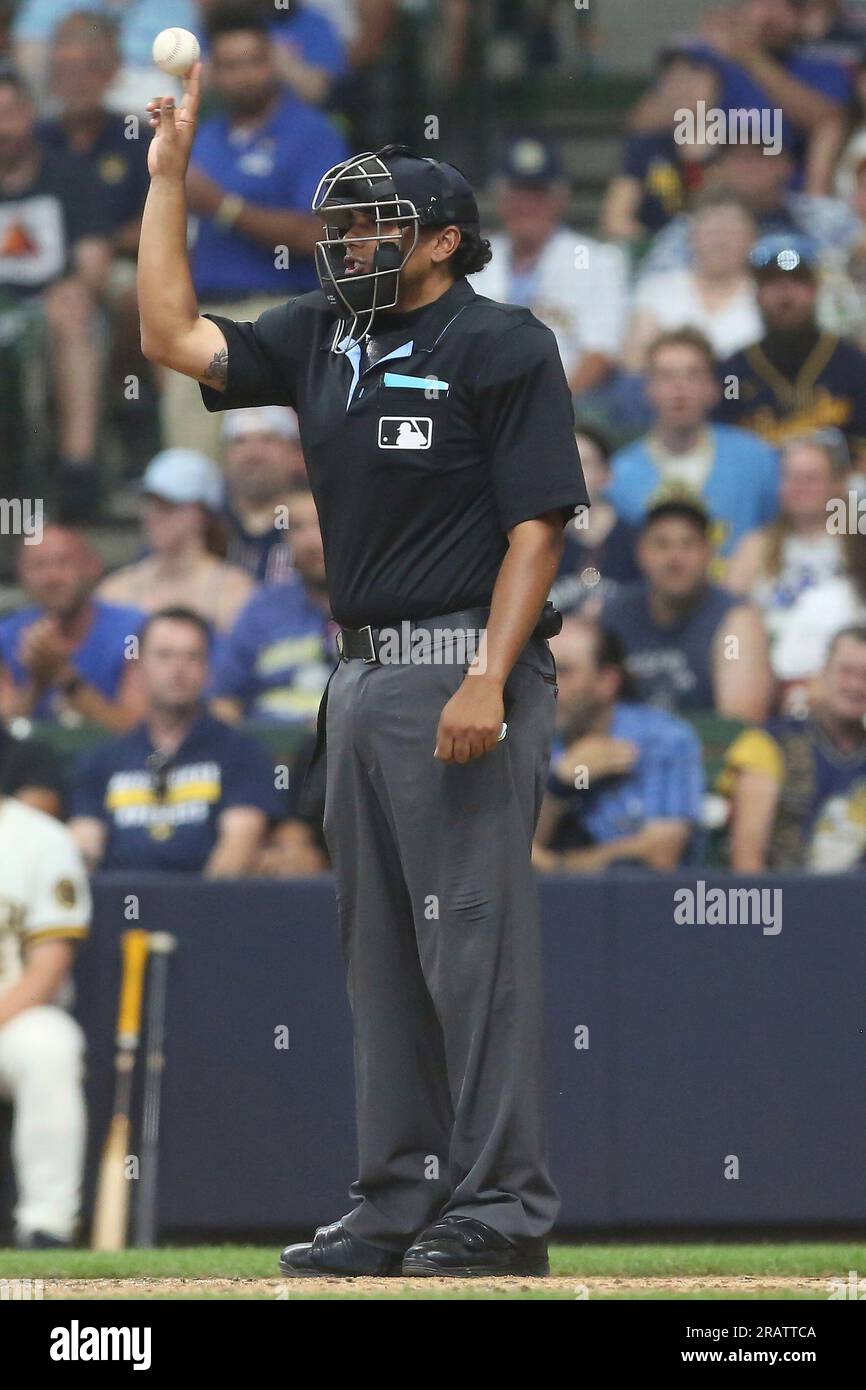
x,y
360,184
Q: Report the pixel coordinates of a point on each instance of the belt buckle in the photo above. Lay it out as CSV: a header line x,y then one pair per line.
x,y
373,657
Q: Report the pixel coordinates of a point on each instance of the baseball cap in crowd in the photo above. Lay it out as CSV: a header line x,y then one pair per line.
x,y
260,419
786,253
183,476
531,162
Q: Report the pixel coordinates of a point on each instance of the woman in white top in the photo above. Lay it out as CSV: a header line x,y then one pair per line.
x,y
778,564
182,499
823,611
716,294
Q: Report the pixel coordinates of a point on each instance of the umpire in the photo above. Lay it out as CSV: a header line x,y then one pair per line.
x,y
437,430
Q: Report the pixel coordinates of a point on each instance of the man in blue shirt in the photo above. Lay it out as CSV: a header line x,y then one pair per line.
x,y
65,657
181,791
253,172
733,472
626,781
277,658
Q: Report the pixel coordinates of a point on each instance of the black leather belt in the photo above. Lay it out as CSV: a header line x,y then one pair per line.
x,y
362,643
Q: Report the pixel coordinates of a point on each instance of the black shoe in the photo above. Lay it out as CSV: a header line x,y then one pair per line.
x,y
459,1247
333,1251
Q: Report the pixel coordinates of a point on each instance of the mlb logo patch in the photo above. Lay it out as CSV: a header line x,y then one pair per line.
x,y
405,432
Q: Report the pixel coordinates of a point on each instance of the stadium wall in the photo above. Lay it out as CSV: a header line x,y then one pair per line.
x,y
700,1075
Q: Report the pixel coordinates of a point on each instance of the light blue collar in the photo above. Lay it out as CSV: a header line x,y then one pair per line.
x,y
354,355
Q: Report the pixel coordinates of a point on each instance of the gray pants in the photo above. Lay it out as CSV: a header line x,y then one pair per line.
x,y
439,922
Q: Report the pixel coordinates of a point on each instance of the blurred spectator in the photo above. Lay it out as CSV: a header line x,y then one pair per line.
x,y
181,505
733,473
368,29
44,914
842,290
83,59
798,787
276,661
67,656
253,173
574,284
138,23
688,643
599,546
30,771
817,616
182,791
715,294
832,30
263,463
626,780
659,174
797,378
309,50
754,45
775,565
761,182
54,257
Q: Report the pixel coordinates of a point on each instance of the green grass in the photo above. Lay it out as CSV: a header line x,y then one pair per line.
x,y
807,1260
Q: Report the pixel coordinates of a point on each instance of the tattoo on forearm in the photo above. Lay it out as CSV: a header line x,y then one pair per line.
x,y
218,367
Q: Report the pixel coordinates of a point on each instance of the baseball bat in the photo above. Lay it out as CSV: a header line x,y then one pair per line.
x,y
112,1194
162,943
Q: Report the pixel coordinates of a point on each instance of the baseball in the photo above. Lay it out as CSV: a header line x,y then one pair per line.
x,y
175,51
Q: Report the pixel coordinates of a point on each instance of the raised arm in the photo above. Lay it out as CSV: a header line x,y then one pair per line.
x,y
173,333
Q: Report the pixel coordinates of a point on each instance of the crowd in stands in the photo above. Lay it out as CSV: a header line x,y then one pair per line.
x,y
712,327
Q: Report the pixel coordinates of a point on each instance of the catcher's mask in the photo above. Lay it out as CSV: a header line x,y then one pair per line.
x,y
395,190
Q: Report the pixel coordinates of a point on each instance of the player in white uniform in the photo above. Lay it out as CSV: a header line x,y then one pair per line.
x,y
44,912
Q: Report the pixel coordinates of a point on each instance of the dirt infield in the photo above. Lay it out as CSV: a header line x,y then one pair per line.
x,y
556,1287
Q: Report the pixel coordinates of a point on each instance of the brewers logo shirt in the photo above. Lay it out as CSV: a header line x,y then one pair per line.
x,y
115,162
44,894
425,454
171,821
788,389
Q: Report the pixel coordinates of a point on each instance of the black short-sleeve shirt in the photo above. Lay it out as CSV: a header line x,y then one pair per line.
x,y
423,461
